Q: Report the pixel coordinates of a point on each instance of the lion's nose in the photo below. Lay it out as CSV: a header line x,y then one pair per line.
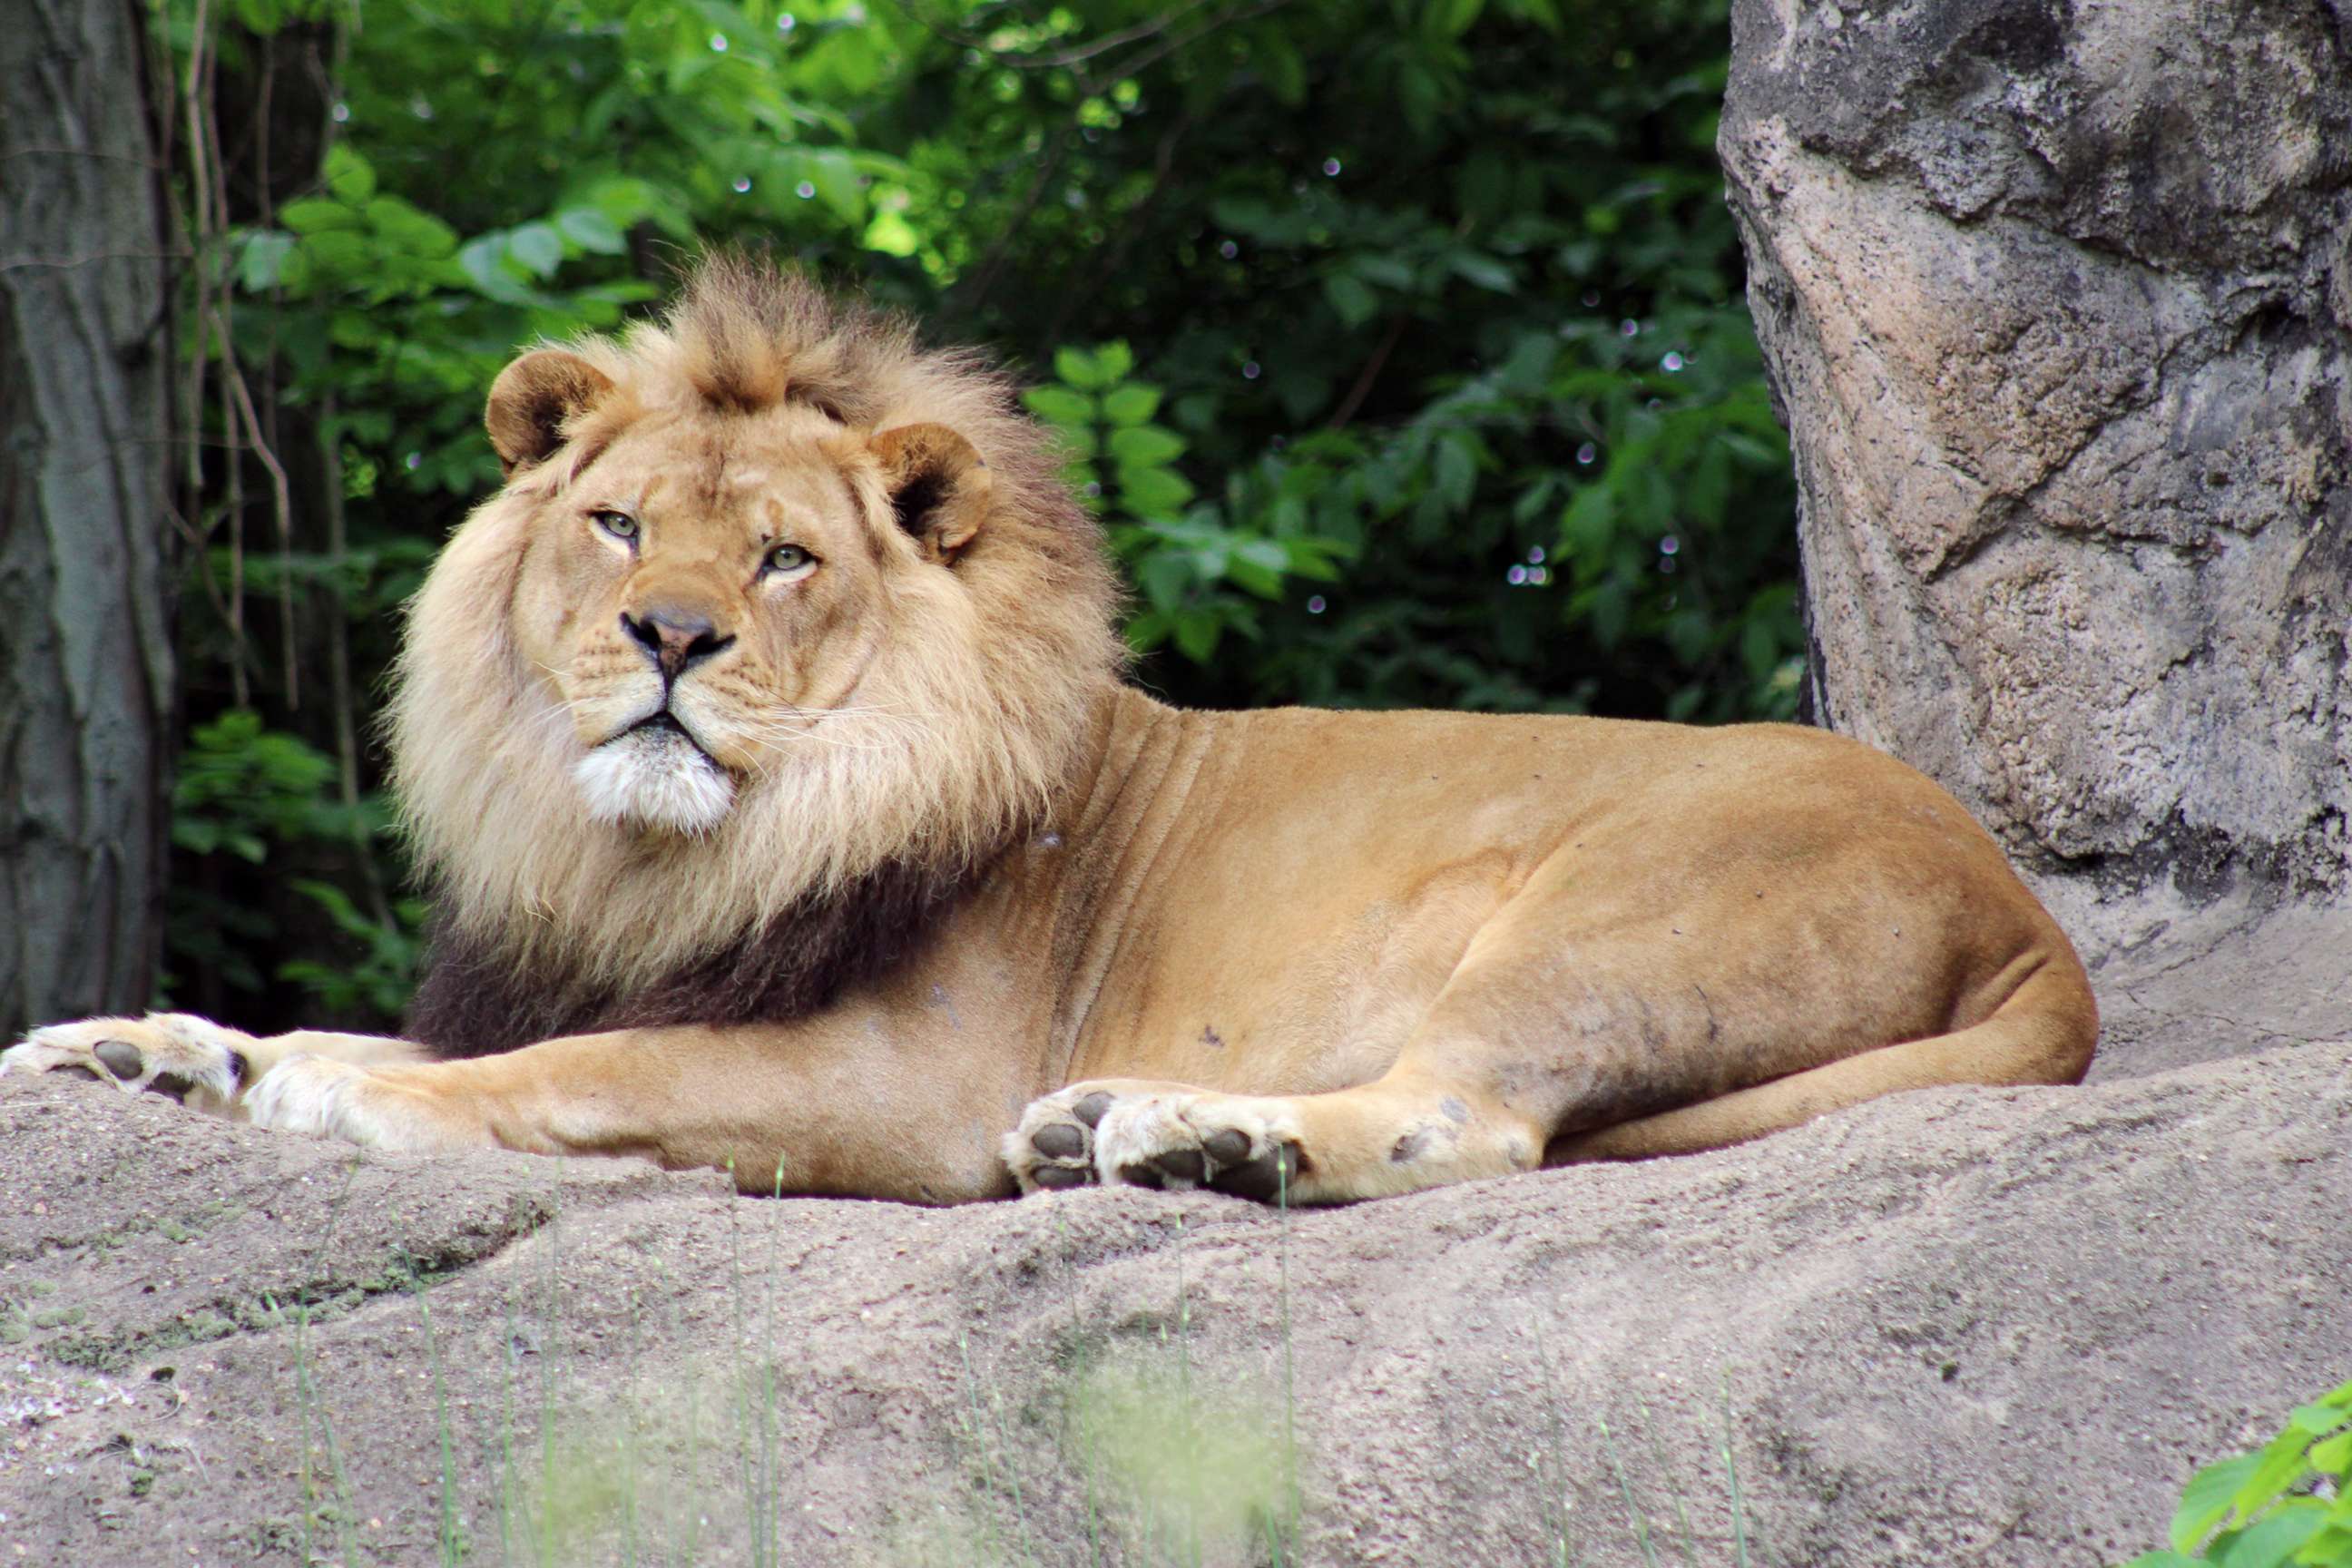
x,y
677,638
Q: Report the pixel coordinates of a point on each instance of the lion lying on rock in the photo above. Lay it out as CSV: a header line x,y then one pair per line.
x,y
765,739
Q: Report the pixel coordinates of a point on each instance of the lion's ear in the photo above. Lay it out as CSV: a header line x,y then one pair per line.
x,y
532,399
939,486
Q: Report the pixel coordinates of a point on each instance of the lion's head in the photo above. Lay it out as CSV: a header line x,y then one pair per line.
x,y
773,603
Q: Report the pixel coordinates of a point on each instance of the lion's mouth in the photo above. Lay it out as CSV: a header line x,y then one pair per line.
x,y
662,726
655,774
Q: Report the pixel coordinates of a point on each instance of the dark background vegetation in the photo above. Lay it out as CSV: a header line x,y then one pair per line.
x,y
1400,342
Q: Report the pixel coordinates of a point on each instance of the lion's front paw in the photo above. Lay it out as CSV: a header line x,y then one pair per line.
x,y
376,1108
1157,1136
190,1060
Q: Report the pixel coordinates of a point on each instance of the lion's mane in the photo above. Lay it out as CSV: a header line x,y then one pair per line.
x,y
961,733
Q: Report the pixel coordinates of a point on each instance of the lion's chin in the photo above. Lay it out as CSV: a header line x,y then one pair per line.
x,y
655,779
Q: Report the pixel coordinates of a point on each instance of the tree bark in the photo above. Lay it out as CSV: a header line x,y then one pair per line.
x,y
2057,296
86,666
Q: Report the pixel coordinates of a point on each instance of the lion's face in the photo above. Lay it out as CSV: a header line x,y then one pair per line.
x,y
706,590
697,601
771,600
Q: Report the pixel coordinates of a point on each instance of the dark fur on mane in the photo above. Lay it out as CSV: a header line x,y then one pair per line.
x,y
475,1001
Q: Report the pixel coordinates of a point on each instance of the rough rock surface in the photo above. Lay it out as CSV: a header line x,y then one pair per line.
x,y
1959,1326
2057,297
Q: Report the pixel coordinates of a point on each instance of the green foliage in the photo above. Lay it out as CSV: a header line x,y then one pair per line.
x,y
2288,1502
1198,563
1399,344
241,787
249,806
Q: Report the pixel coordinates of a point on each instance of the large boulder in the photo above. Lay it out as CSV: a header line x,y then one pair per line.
x,y
1957,1326
2057,299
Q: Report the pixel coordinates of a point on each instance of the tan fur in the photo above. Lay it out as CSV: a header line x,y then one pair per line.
x,y
1316,956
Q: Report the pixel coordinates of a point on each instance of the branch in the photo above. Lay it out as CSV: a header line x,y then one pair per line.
x,y
1001,246
1135,64
1108,41
1163,160
1367,376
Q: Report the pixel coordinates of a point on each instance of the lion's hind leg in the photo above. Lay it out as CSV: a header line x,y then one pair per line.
x,y
2043,1034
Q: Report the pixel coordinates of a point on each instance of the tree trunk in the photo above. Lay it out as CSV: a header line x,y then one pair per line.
x,y
2057,299
84,644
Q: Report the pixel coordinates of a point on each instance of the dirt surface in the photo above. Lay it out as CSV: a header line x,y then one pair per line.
x,y
1961,1326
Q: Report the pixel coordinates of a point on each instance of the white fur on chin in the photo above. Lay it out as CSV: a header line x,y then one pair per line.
x,y
649,778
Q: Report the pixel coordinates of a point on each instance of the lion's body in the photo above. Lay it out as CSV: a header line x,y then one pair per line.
x,y
1034,928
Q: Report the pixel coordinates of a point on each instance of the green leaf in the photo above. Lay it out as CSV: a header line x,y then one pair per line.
x,y
1252,577
2331,1547
2270,1541
1117,361
1314,558
2205,1501
1270,553
1484,270
2319,1417
483,262
1153,492
1258,566
1132,404
1145,445
1279,65
1457,472
835,175
403,227
1452,18
1590,524
348,174
591,230
1609,610
538,247
1148,630
316,215
2282,1465
1060,405
1351,300
1081,368
260,258
342,253
892,235
1197,634
1165,577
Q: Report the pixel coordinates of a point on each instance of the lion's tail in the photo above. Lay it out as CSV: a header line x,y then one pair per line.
x,y
2043,1034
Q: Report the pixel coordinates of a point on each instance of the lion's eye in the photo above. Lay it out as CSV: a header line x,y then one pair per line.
x,y
619,524
790,560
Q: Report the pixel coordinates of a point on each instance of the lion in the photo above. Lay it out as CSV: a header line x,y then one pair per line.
x,y
767,741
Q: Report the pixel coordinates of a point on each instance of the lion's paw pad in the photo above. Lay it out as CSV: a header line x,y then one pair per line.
x,y
1176,1140
169,1054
